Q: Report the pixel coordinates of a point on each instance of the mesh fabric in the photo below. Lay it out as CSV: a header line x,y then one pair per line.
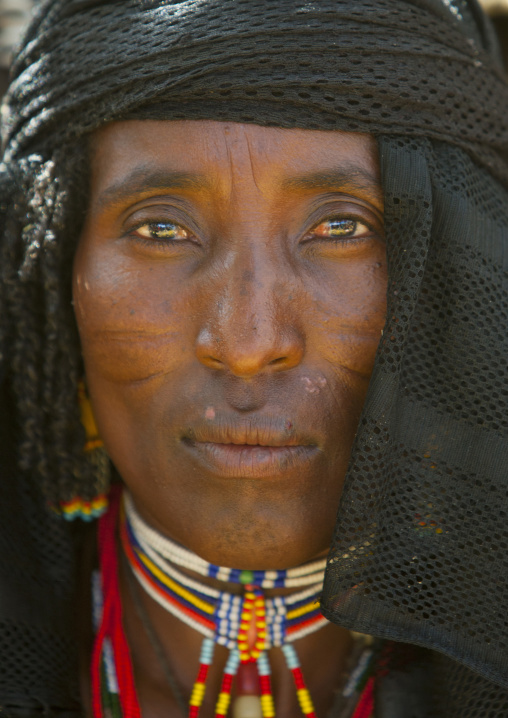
x,y
419,553
421,531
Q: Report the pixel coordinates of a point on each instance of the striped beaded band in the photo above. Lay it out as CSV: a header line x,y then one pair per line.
x,y
165,548
213,613
226,618
113,688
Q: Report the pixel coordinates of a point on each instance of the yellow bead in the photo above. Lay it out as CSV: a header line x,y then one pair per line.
x,y
243,646
222,704
198,693
305,700
198,689
267,706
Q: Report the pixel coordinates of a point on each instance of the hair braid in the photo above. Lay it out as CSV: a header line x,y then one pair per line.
x,y
44,357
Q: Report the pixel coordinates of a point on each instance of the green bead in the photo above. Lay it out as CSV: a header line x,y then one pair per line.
x,y
246,577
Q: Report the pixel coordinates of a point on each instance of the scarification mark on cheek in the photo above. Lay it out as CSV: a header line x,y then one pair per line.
x,y
314,386
210,413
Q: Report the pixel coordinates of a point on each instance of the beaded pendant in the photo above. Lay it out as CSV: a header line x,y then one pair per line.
x,y
249,624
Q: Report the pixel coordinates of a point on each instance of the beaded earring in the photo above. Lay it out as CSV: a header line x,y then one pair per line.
x,y
78,507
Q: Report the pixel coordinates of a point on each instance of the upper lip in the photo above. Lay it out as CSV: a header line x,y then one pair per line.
x,y
259,431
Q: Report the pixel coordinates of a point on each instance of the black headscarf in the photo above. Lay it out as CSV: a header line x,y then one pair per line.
x,y
420,548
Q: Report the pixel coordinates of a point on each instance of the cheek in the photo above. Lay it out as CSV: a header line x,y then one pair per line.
x,y
350,312
129,321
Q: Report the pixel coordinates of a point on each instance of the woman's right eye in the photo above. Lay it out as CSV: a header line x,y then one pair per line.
x,y
163,232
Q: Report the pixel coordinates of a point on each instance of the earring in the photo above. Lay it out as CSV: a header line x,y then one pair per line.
x,y
93,440
77,507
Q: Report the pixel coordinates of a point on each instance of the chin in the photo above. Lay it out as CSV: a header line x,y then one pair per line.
x,y
262,546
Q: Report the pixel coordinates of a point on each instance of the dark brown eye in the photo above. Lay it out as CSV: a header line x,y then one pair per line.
x,y
163,231
341,227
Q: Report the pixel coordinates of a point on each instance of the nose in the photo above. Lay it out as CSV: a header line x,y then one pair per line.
x,y
251,327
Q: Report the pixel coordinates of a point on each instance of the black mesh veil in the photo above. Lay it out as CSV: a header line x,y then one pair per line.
x,y
419,551
420,547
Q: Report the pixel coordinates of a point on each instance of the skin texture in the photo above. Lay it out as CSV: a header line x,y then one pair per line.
x,y
229,336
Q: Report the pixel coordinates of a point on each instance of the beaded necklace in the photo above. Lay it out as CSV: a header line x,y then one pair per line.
x,y
219,616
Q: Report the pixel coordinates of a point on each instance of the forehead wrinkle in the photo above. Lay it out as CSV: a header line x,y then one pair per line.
x,y
241,158
145,179
251,161
230,163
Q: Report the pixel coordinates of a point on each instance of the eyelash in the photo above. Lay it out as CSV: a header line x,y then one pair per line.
x,y
309,237
343,240
151,241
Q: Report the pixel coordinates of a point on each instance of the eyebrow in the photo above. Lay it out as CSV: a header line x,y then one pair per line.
x,y
143,179
346,178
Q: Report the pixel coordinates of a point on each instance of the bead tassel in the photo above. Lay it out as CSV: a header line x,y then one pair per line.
x,y
224,698
265,684
302,691
365,707
111,621
198,690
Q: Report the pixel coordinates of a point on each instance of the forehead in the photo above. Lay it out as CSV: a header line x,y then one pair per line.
x,y
210,156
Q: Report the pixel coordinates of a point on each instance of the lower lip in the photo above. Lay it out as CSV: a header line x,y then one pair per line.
x,y
246,461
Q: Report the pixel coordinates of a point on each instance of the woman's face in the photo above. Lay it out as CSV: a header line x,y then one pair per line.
x,y
229,289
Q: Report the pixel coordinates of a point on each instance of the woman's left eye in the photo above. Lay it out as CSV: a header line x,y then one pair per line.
x,y
163,232
341,228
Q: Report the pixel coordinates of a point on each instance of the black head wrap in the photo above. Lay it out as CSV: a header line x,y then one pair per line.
x,y
420,548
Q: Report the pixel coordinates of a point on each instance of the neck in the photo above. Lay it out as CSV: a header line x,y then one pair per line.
x,y
171,556
323,651
323,656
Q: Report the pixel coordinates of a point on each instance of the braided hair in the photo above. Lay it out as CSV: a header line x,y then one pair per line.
x,y
39,340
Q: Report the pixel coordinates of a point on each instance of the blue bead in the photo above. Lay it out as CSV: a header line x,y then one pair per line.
x,y
232,662
263,665
207,649
290,656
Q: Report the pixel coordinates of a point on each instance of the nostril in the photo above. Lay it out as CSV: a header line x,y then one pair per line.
x,y
247,350
212,362
279,360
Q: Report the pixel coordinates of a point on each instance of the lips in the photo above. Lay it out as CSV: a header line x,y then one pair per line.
x,y
260,448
